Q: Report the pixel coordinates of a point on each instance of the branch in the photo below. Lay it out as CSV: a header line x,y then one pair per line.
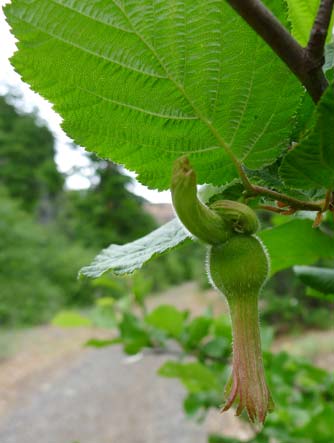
x,y
316,44
299,60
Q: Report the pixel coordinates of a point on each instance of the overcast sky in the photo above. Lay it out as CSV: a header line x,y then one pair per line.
x,y
66,157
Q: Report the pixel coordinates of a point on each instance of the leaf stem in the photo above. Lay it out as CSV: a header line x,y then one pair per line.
x,y
253,190
291,201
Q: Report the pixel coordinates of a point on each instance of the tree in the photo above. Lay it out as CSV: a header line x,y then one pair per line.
x,y
28,169
107,210
224,94
38,267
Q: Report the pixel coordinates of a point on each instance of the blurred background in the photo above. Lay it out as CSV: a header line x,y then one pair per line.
x,y
58,208
48,230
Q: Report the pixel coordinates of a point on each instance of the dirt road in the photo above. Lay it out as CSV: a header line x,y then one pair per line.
x,y
53,390
56,391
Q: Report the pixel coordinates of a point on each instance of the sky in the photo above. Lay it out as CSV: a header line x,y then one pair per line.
x,y
67,158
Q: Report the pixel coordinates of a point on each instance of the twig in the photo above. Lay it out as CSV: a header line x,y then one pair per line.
x,y
315,49
277,210
316,44
303,62
291,201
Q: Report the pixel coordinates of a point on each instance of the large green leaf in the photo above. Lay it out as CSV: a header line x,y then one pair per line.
x,y
296,243
302,14
144,82
310,164
125,259
320,279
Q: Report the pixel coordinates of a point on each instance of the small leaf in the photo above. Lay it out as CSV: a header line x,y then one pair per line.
x,y
127,258
214,438
100,343
310,164
69,319
195,402
320,279
296,243
195,376
133,334
218,347
167,318
197,329
310,292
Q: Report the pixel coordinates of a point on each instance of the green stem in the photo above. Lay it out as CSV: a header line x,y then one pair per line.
x,y
291,201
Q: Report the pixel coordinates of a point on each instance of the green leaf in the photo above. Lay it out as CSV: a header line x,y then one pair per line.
x,y
296,243
320,279
133,334
301,15
218,347
195,376
100,343
195,402
127,258
310,164
70,319
143,83
197,329
215,438
320,295
167,318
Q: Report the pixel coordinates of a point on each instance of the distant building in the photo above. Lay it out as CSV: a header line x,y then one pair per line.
x,y
161,212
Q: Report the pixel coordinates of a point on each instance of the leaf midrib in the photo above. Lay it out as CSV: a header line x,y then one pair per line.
x,y
180,87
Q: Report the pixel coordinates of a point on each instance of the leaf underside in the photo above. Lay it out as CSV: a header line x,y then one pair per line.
x,y
125,259
143,82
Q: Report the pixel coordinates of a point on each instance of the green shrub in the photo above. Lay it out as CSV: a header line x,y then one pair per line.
x,y
37,268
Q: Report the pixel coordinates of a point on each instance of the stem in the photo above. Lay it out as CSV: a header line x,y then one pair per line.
x,y
327,200
291,201
303,62
253,190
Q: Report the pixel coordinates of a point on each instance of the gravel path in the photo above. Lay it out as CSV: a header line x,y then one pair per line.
x,y
102,397
55,391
